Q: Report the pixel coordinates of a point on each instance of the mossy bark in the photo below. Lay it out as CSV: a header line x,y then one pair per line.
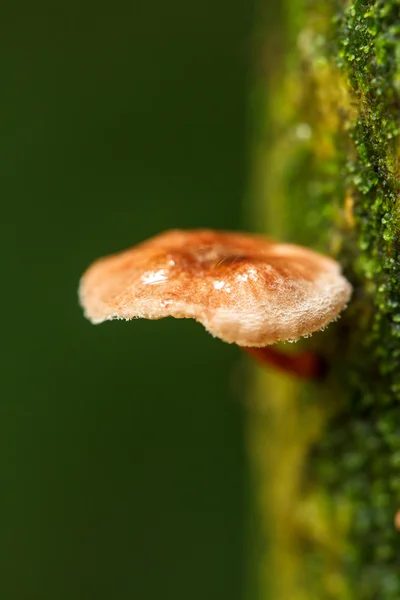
x,y
326,455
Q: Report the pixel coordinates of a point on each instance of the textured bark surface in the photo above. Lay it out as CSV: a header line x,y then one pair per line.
x,y
327,456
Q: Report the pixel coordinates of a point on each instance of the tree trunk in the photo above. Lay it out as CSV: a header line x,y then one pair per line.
x,y
326,456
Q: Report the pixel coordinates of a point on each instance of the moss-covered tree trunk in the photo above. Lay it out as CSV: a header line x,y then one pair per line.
x,y
326,455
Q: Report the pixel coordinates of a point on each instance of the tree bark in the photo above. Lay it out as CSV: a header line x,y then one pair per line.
x,y
326,456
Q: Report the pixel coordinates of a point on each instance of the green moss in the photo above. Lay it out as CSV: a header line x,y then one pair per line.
x,y
332,182
364,436
368,52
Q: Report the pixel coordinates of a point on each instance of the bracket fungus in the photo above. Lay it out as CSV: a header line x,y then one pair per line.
x,y
244,289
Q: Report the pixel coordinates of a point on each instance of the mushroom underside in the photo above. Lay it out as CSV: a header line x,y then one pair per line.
x,y
245,324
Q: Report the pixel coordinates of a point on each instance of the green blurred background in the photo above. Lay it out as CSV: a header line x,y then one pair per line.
x,y
122,458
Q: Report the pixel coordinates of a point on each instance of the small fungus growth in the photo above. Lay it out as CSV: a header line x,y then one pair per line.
x,y
242,288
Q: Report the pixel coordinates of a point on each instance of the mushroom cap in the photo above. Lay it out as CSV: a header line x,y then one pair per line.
x,y
243,288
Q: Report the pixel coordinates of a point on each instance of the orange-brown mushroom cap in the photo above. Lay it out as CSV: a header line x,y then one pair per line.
x,y
243,288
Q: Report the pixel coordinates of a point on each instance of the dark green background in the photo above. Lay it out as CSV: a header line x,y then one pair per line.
x,y
121,446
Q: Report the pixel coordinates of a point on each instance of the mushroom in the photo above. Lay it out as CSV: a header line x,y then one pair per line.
x,y
245,289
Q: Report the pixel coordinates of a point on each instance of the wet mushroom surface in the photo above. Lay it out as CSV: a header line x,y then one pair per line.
x,y
243,288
